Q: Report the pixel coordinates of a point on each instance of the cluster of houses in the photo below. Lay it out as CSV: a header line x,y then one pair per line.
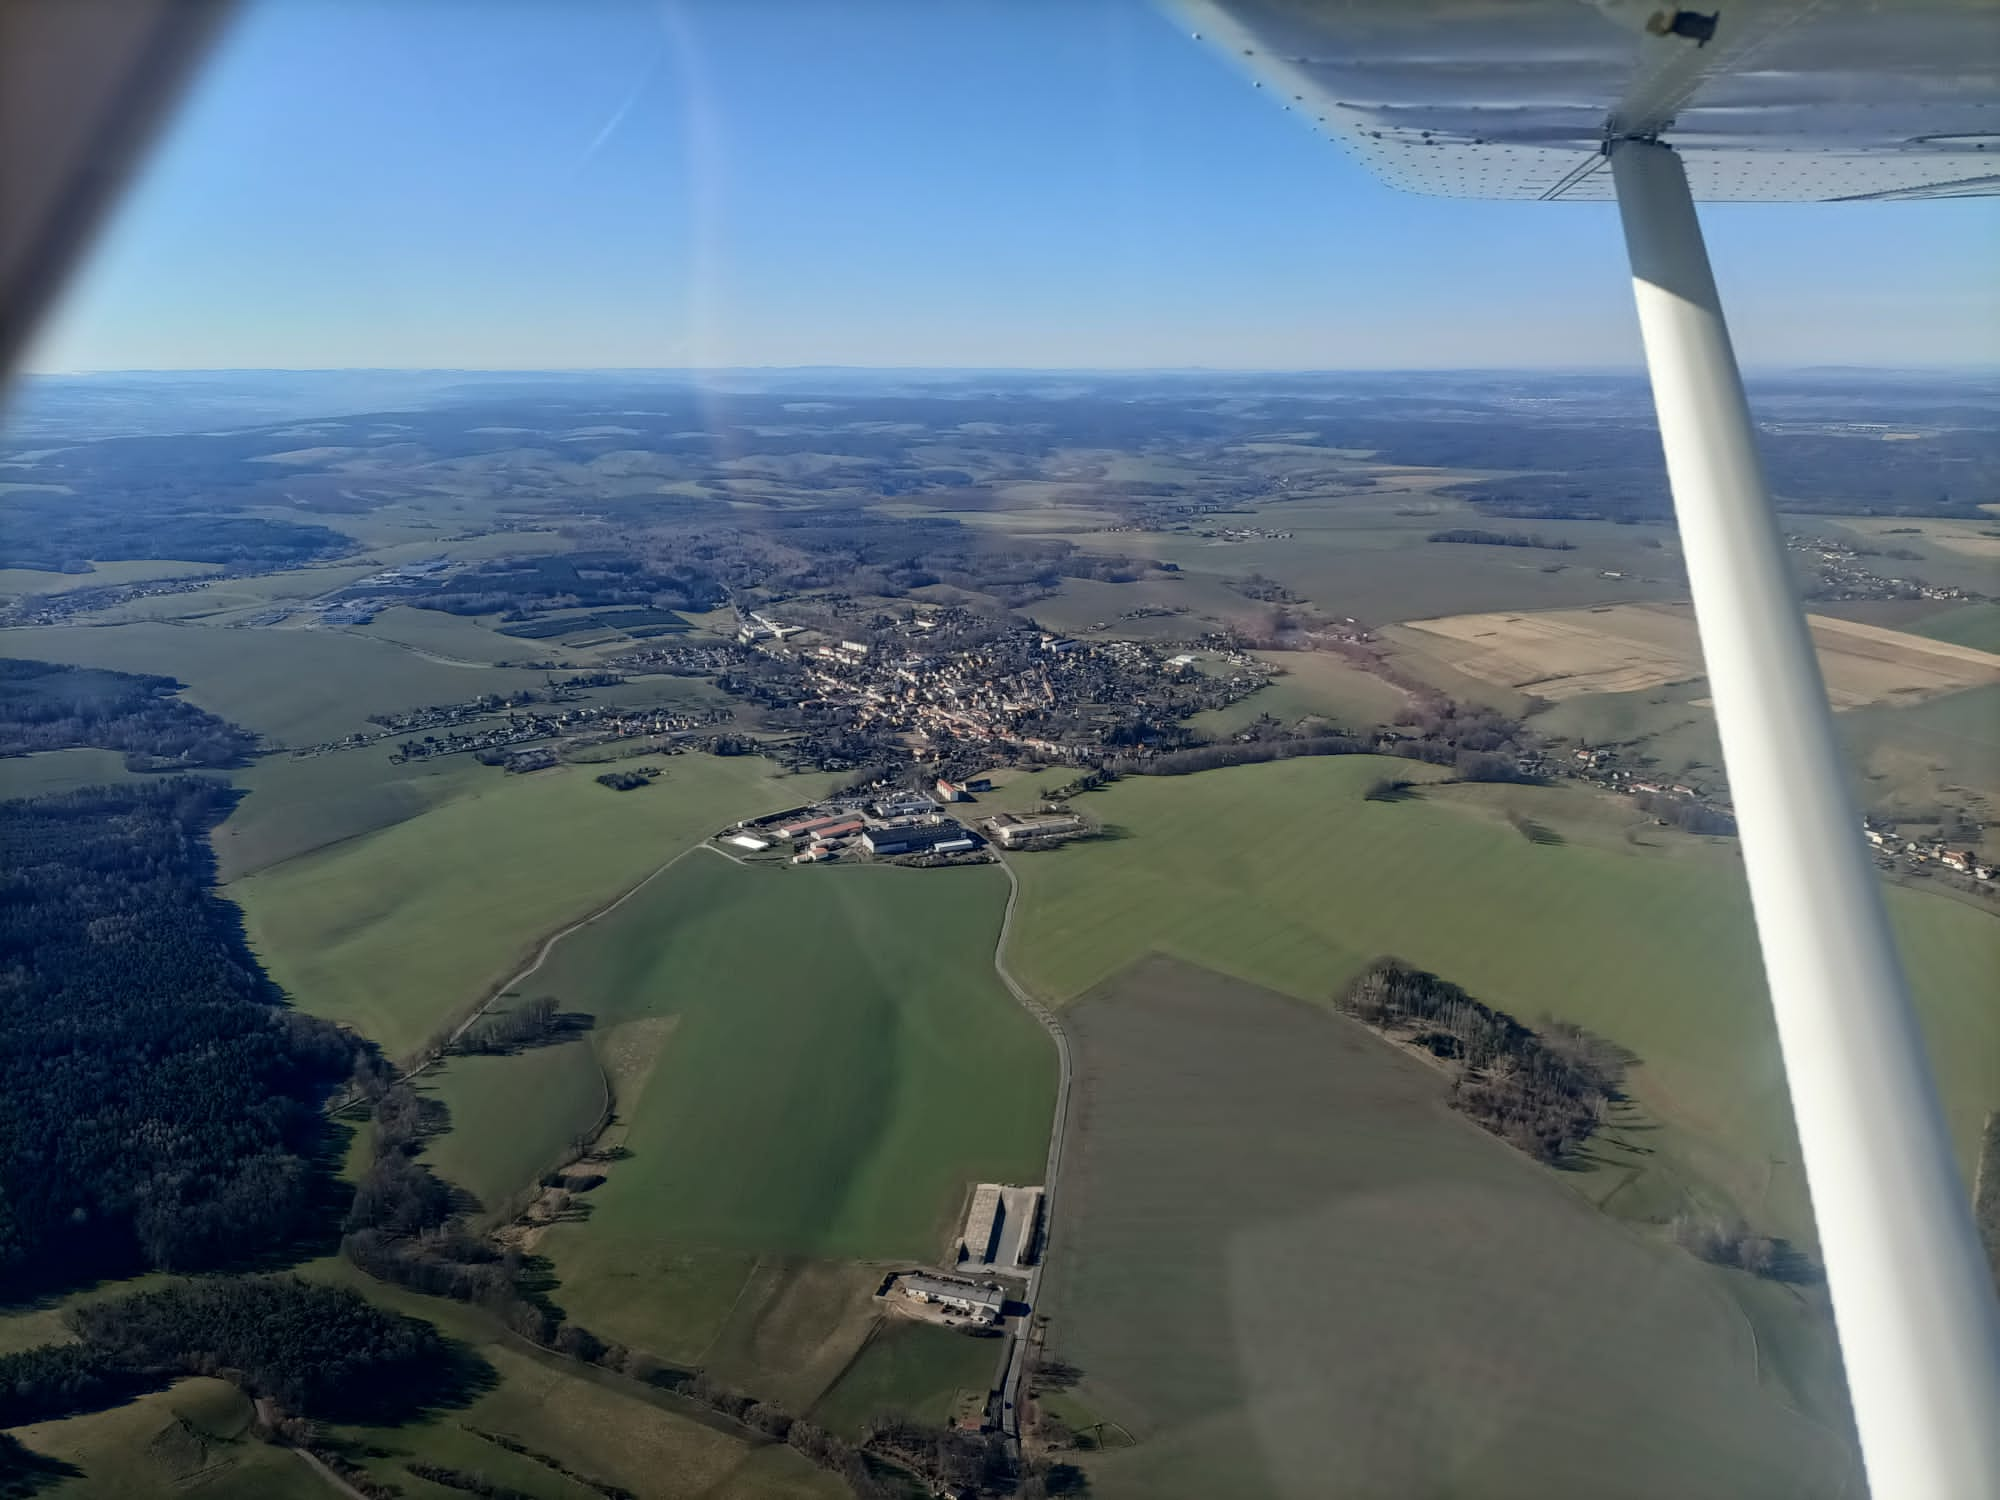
x,y
1917,851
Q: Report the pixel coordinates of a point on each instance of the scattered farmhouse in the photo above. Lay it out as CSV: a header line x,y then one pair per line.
x,y
979,1301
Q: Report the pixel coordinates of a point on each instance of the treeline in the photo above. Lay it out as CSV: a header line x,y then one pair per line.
x,y
520,588
1544,1093
629,781
159,1104
45,706
1474,536
63,533
318,1351
1477,744
526,1024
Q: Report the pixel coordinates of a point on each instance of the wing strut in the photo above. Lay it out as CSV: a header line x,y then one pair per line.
x,y
1912,1294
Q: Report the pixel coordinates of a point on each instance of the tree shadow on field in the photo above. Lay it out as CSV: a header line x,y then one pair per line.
x,y
24,1472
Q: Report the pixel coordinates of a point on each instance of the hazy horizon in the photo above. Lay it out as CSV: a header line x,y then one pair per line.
x,y
1026,185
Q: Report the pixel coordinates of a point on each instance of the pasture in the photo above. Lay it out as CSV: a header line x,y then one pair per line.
x,y
399,930
1289,1270
842,1063
295,687
1558,654
1286,876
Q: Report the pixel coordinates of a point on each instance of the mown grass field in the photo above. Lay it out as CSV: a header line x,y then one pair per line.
x,y
842,1063
908,1370
1285,875
1289,1270
298,687
398,930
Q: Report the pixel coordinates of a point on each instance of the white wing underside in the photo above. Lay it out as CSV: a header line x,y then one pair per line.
x,y
1792,100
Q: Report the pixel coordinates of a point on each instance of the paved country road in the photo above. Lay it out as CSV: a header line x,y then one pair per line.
x,y
1017,1352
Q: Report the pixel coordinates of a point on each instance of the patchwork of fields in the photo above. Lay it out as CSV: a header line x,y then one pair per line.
x,y
1287,876
1290,1270
1558,654
401,929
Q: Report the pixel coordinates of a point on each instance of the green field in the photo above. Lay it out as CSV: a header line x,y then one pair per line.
x,y
1366,555
1284,875
1303,1275
841,1065
297,804
910,1370
454,637
602,1426
49,771
14,581
1945,751
1976,625
400,929
496,1147
297,687
189,1441
1310,685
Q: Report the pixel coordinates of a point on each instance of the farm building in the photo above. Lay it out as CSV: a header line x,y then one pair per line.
x,y
748,841
982,1224
914,838
979,1302
803,826
1014,831
1000,1225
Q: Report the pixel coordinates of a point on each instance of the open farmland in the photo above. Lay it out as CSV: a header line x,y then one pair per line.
x,y
399,930
1289,1270
1286,875
1558,654
191,1441
611,1430
297,687
842,1063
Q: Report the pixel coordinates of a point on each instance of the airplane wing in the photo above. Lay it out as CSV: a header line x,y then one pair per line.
x,y
1775,100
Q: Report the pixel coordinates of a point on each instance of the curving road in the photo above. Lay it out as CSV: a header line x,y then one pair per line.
x,y
1017,1349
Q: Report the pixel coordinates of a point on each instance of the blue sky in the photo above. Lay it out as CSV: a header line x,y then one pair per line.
x,y
433,183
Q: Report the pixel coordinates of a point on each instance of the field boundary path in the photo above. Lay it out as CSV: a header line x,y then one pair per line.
x,y
1017,1348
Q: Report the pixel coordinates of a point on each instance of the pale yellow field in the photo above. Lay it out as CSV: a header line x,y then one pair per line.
x,y
1627,648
